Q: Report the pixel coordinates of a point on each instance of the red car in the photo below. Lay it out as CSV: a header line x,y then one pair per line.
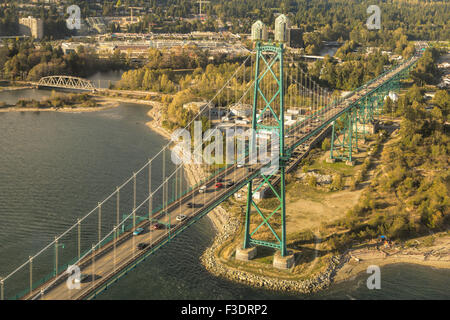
x,y
218,185
156,226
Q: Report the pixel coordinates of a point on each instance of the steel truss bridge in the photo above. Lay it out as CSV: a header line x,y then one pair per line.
x,y
102,243
66,82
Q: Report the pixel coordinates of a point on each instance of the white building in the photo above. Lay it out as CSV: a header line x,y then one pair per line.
x,y
259,31
282,28
392,95
241,110
32,26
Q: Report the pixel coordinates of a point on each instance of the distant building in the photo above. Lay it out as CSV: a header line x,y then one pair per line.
x,y
97,24
392,95
68,47
204,108
295,38
32,27
282,28
241,110
259,31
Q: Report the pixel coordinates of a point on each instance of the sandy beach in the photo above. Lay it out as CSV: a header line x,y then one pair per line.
x,y
3,89
436,255
155,123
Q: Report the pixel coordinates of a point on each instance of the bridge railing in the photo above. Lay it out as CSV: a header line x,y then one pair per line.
x,y
339,100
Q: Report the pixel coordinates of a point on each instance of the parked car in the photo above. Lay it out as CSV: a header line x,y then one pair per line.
x,y
138,231
181,217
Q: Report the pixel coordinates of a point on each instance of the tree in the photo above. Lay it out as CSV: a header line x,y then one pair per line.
x,y
338,182
326,144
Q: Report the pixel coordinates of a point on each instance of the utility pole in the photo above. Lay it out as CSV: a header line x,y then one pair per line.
x,y
200,2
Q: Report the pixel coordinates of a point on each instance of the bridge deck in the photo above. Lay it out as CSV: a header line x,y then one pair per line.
x,y
111,261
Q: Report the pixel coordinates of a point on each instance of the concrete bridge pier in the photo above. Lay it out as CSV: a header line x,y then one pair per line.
x,y
285,262
350,163
245,254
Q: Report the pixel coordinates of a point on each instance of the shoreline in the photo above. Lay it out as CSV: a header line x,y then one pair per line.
x,y
103,104
12,88
216,266
434,256
193,174
155,123
341,268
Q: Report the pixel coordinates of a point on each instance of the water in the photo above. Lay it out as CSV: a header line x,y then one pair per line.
x,y
330,50
12,97
399,282
104,79
56,166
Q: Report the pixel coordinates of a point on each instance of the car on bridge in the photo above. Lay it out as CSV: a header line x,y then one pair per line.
x,y
138,231
230,183
142,245
202,189
181,217
156,226
218,185
190,205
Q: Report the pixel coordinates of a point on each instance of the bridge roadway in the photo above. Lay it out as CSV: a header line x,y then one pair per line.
x,y
112,260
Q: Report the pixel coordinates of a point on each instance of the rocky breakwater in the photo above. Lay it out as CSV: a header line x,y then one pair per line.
x,y
213,264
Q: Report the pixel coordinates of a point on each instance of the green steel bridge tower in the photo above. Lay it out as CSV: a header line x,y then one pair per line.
x,y
272,102
352,125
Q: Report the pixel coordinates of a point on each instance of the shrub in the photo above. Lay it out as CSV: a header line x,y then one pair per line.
x,y
338,182
326,144
312,181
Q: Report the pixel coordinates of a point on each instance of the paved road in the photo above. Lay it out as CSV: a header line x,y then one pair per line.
x,y
112,258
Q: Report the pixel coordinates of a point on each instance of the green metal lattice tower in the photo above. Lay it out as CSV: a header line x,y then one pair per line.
x,y
344,136
270,102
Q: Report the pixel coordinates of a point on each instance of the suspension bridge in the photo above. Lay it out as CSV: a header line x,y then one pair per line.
x,y
153,207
